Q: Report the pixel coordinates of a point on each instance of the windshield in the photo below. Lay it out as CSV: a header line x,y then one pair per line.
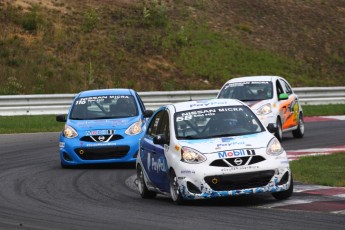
x,y
104,107
216,122
248,91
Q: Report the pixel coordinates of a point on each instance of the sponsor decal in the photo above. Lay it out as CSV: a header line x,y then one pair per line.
x,y
207,103
158,166
186,171
236,153
227,139
229,144
119,122
251,167
83,100
100,144
61,145
99,132
166,148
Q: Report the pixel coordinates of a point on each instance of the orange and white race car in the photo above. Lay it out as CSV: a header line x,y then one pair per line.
x,y
272,100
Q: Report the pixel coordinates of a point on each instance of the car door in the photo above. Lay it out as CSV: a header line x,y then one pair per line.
x,y
289,107
293,107
152,155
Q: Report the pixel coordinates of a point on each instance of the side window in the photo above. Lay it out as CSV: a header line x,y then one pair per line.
x,y
154,125
142,106
279,88
164,125
288,89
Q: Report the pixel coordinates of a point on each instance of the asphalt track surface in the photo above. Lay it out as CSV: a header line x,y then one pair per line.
x,y
35,193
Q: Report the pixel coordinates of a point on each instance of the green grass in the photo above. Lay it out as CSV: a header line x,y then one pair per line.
x,y
148,47
323,110
29,124
326,170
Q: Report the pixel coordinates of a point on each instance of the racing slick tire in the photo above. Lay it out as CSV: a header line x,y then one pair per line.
x,y
299,132
143,190
279,133
174,189
284,194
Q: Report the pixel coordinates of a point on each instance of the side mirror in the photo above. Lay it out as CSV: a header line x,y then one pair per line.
x,y
160,139
61,118
272,128
148,113
283,96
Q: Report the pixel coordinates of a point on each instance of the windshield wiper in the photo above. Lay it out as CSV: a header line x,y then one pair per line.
x,y
227,135
77,118
191,137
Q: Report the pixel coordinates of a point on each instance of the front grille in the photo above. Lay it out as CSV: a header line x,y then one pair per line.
x,y
230,162
101,138
102,153
239,181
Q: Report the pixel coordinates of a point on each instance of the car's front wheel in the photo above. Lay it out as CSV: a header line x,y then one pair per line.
x,y
174,189
299,132
284,194
143,190
279,132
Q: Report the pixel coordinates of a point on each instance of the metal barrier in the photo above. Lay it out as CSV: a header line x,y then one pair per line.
x,y
60,103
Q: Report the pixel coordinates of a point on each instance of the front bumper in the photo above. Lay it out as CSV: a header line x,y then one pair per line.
x,y
224,185
76,152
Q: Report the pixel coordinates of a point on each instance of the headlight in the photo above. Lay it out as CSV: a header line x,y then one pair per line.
x,y
265,109
189,155
134,129
69,132
274,147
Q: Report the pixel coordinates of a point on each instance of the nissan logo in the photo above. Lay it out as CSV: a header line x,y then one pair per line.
x,y
101,138
238,161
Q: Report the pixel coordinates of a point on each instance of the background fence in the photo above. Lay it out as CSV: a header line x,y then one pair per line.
x,y
60,103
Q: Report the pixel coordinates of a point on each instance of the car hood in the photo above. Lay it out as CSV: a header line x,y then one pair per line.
x,y
252,141
119,123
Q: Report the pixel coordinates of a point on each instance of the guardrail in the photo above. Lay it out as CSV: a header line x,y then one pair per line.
x,y
59,103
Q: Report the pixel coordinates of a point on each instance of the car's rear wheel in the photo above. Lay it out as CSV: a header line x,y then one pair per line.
x,y
143,190
174,189
299,132
279,132
284,194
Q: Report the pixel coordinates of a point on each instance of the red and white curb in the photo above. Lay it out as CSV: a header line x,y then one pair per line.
x,y
296,154
314,198
324,118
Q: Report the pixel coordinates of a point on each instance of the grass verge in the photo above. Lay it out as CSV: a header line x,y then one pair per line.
x,y
323,110
326,170
29,124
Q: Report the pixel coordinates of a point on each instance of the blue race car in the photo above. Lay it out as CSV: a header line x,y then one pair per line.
x,y
102,126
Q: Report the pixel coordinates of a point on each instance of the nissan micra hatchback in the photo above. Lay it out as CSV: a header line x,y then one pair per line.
x,y
272,100
102,126
210,148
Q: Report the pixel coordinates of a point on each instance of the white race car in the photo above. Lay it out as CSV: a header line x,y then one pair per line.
x,y
210,148
272,100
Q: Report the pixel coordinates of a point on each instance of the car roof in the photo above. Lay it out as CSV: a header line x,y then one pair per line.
x,y
200,104
103,92
253,78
